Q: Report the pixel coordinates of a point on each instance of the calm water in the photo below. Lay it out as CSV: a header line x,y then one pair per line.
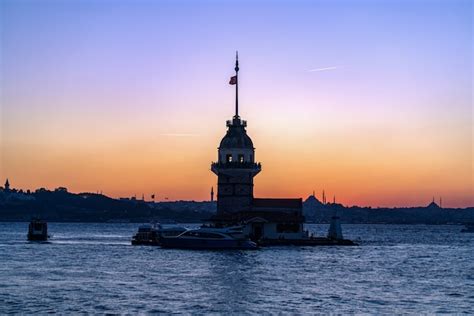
x,y
93,268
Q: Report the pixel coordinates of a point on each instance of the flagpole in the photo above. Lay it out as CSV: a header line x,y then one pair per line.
x,y
237,84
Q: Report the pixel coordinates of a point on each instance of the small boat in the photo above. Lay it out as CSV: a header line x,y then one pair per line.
x,y
468,228
38,230
209,238
150,234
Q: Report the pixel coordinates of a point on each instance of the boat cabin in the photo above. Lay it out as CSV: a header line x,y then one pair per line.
x,y
38,230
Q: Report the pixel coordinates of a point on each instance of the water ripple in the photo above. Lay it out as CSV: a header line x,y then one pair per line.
x,y
91,268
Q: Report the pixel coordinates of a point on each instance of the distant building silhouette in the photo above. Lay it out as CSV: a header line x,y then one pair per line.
x,y
60,189
433,205
7,186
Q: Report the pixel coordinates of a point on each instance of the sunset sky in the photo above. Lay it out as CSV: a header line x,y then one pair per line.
x,y
369,100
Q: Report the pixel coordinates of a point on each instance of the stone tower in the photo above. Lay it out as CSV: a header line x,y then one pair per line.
x,y
235,167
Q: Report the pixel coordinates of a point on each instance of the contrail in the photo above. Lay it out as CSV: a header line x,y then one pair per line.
x,y
179,134
324,69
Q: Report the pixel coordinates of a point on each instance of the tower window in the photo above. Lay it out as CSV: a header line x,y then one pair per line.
x,y
241,158
228,158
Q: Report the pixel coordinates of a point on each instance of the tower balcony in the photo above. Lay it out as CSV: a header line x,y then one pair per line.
x,y
236,122
225,167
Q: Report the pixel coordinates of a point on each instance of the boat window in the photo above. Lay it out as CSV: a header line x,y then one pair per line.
x,y
235,235
202,235
288,227
211,235
171,233
38,226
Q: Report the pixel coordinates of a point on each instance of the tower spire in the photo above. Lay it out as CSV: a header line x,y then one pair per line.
x,y
236,84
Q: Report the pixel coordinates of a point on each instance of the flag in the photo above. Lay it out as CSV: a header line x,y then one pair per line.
x,y
233,80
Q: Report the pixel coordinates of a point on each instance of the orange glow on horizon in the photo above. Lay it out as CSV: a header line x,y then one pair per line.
x,y
359,99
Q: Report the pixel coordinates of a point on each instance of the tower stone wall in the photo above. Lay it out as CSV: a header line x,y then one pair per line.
x,y
235,169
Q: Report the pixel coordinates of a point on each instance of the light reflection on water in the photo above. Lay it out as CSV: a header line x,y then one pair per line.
x,y
93,268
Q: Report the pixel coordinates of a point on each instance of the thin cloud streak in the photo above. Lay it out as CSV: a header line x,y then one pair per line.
x,y
324,69
178,135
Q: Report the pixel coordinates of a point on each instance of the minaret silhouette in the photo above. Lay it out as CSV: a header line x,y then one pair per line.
x,y
212,194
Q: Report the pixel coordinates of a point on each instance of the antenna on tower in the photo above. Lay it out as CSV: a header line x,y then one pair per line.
x,y
236,84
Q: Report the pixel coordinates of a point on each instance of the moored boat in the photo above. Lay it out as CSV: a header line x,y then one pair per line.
x,y
209,238
37,230
151,234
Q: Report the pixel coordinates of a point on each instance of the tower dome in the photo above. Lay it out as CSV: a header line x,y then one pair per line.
x,y
236,146
236,136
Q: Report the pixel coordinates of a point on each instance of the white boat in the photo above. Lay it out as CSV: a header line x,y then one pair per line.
x,y
209,238
150,234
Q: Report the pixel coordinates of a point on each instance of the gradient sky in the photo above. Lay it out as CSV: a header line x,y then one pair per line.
x,y
369,100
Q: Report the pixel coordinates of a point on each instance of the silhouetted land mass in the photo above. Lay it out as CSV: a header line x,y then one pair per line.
x,y
62,206
317,212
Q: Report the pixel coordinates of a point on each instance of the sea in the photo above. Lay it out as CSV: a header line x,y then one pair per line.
x,y
93,268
